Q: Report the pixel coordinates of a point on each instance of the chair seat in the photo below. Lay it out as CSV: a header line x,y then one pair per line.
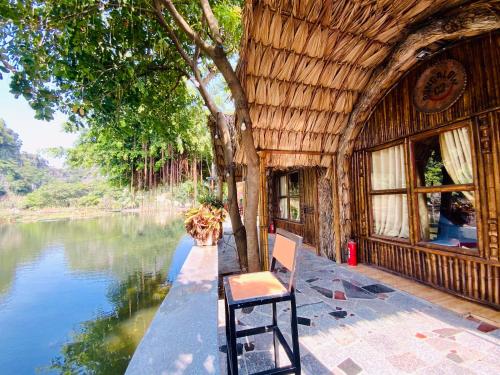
x,y
255,285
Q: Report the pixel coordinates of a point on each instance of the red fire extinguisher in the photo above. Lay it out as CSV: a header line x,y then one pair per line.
x,y
272,229
352,258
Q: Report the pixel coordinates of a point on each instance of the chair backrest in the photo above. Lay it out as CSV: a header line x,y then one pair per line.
x,y
286,249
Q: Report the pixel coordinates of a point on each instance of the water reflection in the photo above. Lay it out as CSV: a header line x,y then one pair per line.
x,y
106,344
80,294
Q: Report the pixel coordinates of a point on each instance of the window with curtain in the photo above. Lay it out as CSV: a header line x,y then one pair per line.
x,y
444,188
289,196
389,199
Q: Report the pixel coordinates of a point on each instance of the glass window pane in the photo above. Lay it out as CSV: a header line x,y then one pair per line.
x,y
283,186
448,219
390,215
388,168
293,184
444,159
295,209
283,208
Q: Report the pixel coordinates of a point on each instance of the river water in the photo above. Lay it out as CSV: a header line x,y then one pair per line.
x,y
77,296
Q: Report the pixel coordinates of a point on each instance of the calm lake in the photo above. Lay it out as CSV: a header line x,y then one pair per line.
x,y
77,296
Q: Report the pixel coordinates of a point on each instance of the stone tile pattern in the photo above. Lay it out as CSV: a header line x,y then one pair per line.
x,y
350,324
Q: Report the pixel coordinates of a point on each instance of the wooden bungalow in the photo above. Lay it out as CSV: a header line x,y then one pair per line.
x,y
378,121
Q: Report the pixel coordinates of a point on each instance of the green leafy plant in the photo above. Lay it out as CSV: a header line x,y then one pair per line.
x,y
205,223
211,199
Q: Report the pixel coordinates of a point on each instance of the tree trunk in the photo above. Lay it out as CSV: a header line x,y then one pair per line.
x,y
171,172
151,171
220,188
132,177
201,173
216,53
240,235
252,159
144,150
195,183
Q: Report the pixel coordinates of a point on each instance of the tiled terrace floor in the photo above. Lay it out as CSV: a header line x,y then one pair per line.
x,y
350,324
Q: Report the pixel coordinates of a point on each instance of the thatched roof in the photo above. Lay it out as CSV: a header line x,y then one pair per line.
x,y
304,64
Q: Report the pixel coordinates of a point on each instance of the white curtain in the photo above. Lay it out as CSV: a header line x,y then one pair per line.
x,y
457,158
390,215
388,168
390,211
423,213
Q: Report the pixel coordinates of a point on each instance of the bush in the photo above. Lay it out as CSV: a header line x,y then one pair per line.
x,y
210,199
56,194
184,192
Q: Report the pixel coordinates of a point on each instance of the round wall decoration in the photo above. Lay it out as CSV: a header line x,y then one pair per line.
x,y
439,86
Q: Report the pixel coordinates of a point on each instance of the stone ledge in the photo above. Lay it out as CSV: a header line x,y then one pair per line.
x,y
182,338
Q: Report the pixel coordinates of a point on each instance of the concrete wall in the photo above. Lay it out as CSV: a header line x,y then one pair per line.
x,y
182,339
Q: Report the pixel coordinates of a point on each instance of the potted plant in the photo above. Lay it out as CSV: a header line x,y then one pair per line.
x,y
204,223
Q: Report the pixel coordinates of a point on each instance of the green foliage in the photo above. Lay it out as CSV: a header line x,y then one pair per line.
x,y
228,13
10,144
209,198
184,192
20,172
56,194
78,194
433,170
112,69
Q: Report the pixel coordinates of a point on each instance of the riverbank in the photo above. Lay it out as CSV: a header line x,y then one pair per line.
x,y
17,215
9,216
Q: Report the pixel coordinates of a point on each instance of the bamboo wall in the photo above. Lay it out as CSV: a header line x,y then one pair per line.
x,y
472,275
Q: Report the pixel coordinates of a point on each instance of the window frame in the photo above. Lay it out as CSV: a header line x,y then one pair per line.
x,y
372,192
288,195
412,190
472,187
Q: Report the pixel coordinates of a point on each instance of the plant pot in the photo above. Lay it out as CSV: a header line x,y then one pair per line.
x,y
209,241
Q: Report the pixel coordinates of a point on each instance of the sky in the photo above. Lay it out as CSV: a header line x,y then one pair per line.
x,y
36,135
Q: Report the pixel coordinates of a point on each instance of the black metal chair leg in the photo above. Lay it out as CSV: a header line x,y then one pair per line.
x,y
226,311
233,360
295,335
275,337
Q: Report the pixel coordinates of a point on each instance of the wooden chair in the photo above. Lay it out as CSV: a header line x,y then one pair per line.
x,y
260,288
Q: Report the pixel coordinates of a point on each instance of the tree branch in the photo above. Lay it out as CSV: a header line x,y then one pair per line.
x,y
181,22
213,24
212,71
5,61
171,34
193,64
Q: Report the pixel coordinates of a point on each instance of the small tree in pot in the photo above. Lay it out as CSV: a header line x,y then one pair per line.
x,y
204,223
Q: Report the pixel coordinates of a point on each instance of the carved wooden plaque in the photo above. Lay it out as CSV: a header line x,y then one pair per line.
x,y
439,86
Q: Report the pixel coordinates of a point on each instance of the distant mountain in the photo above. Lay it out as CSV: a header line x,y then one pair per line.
x,y
21,172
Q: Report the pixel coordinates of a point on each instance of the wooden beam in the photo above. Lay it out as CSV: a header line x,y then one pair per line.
x,y
263,214
294,152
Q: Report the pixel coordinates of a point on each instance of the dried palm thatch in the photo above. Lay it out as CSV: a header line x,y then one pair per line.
x,y
305,63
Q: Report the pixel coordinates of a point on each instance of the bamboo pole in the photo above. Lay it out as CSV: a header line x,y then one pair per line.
x,y
263,219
